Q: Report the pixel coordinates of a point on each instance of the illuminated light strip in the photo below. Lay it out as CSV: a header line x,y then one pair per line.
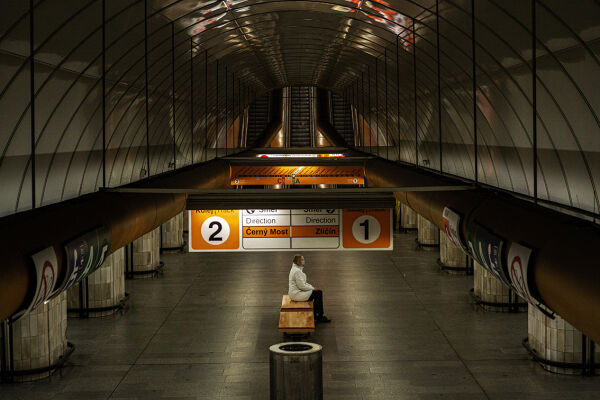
x,y
311,155
297,175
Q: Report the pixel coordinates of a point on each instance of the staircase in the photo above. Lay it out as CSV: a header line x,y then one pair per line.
x,y
300,116
258,119
341,118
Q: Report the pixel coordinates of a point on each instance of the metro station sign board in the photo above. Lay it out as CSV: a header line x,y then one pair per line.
x,y
297,175
290,230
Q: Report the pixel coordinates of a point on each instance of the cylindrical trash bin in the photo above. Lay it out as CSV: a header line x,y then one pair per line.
x,y
296,371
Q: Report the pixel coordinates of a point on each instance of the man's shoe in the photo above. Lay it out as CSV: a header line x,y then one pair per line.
x,y
322,319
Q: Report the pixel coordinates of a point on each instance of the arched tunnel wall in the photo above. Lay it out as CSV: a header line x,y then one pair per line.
x,y
408,66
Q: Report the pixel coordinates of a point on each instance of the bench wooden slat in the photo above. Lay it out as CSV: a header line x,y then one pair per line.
x,y
290,305
296,322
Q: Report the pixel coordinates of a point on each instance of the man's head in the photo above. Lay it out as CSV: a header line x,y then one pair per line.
x,y
299,259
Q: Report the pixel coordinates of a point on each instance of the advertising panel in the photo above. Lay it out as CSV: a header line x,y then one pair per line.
x,y
451,222
519,258
486,249
45,263
86,254
306,229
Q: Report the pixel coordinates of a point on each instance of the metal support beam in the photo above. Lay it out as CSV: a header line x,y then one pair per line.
x,y
387,131
205,150
474,73
226,107
534,97
290,199
439,80
377,104
192,121
398,93
32,98
414,32
146,87
217,114
103,5
362,92
173,116
369,111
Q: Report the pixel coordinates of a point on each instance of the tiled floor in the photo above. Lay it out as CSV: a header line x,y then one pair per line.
x,y
401,330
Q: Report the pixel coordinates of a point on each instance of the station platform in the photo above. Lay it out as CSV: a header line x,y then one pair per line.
x,y
401,329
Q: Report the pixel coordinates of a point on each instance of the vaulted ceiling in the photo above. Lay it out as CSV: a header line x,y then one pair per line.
x,y
175,70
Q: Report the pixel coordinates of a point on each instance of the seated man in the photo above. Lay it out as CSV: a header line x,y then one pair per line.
x,y
300,290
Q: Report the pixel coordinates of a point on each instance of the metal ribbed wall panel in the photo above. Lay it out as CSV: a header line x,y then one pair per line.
x,y
363,51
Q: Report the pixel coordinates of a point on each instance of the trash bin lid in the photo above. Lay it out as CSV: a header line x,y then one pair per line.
x,y
295,348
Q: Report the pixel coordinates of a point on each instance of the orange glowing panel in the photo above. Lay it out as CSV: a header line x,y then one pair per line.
x,y
213,230
316,231
297,175
266,231
364,229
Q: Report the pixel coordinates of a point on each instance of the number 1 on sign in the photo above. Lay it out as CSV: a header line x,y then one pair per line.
x,y
366,229
366,225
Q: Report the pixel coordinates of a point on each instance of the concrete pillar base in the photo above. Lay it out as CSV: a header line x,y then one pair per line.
x,y
491,294
37,341
557,341
105,289
172,234
408,218
452,259
428,235
146,255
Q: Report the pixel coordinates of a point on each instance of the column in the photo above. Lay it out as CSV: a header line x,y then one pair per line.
x,y
186,221
39,338
146,253
186,227
555,340
452,258
397,215
172,233
488,289
106,288
428,235
408,218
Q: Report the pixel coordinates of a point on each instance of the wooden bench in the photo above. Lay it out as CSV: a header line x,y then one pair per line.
x,y
296,316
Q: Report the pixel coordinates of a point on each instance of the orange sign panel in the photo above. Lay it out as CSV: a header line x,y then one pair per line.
x,y
214,230
315,231
366,229
266,231
297,175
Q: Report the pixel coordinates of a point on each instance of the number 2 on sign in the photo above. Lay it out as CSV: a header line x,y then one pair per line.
x,y
214,236
215,230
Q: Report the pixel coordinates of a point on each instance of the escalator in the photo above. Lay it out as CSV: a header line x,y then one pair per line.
x,y
258,119
300,116
341,118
